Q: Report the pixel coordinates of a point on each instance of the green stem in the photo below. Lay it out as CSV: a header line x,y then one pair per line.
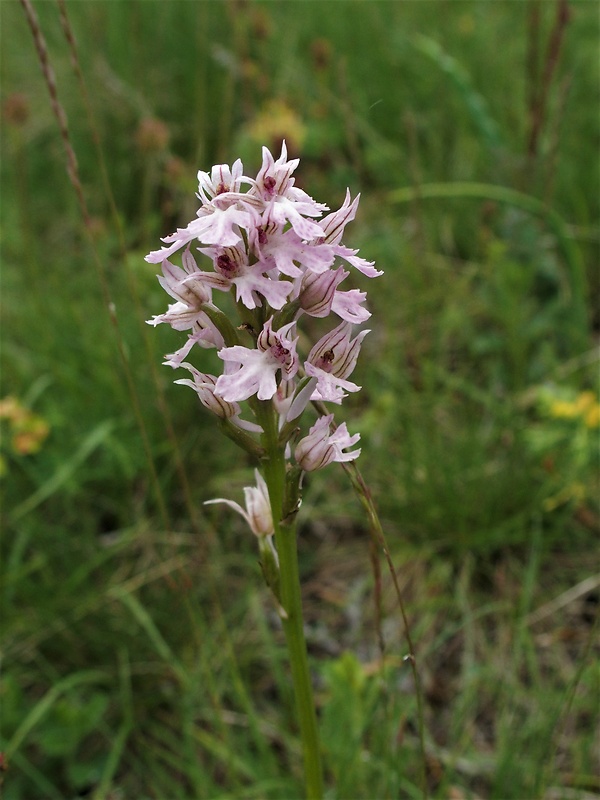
x,y
291,601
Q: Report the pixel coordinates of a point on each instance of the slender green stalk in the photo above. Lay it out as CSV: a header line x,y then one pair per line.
x,y
291,601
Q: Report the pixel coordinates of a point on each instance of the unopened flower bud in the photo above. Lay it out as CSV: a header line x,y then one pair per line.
x,y
258,508
204,386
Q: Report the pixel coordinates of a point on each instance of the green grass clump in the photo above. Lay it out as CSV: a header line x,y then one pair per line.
x,y
142,656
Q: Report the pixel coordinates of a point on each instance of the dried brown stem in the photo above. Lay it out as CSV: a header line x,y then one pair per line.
x,y
73,173
378,541
533,56
160,395
540,95
57,108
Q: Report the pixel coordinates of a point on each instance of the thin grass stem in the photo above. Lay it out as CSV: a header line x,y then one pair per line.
x,y
484,191
73,173
191,507
379,542
377,534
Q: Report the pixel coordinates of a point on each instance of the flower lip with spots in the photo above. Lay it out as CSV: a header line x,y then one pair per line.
x,y
321,447
257,368
332,360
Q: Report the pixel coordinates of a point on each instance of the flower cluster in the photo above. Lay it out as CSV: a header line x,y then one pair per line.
x,y
275,250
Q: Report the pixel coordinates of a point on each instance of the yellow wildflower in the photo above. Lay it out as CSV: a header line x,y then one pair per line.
x,y
563,409
28,430
277,121
592,416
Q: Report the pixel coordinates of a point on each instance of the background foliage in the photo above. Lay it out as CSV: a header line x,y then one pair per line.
x,y
142,655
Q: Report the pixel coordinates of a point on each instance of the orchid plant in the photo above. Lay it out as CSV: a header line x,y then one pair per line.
x,y
273,249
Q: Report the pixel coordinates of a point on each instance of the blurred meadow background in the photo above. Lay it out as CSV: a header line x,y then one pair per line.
x,y
142,655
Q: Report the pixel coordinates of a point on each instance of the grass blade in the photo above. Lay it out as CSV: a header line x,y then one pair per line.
x,y
44,705
65,471
475,103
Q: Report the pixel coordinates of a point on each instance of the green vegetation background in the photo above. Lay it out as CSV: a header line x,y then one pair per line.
x,y
142,655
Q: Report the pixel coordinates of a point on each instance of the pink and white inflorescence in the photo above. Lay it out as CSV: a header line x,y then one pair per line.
x,y
277,251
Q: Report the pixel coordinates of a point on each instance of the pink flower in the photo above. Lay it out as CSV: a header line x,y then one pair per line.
x,y
333,226
283,201
282,250
321,447
318,290
189,285
348,306
223,209
231,264
221,180
366,267
214,226
206,337
258,508
331,360
271,246
256,369
181,317
204,386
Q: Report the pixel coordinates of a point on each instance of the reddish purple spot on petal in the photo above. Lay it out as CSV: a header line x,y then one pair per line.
x,y
280,352
226,266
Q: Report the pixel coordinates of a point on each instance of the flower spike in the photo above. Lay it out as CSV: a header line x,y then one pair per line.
x,y
279,256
